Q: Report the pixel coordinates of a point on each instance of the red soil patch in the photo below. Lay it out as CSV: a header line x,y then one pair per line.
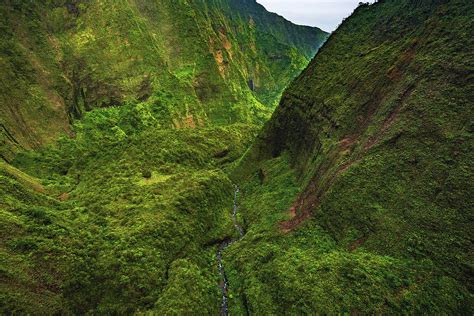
x,y
188,121
64,197
357,243
347,142
298,213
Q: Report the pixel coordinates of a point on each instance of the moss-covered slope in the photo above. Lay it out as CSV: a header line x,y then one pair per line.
x,y
125,217
198,61
360,195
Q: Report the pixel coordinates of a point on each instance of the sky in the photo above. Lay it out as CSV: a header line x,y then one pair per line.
x,y
325,14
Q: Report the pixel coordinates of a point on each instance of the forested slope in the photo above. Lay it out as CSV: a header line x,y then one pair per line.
x,y
358,192
119,123
193,62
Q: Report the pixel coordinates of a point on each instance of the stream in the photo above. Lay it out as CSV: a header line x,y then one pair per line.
x,y
224,285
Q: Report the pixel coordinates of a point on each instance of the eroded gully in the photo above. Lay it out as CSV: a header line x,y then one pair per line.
x,y
224,285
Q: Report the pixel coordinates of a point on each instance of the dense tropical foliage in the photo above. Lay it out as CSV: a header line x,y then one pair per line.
x,y
125,126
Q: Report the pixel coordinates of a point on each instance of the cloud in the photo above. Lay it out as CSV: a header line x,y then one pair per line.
x,y
326,14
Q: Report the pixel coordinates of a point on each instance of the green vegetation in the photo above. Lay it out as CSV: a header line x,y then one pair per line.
x,y
355,198
205,62
127,219
376,138
161,98
164,97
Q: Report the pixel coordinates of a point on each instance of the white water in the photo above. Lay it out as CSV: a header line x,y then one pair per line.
x,y
225,284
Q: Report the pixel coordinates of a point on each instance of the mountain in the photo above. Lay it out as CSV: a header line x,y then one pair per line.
x,y
193,62
120,122
357,195
136,178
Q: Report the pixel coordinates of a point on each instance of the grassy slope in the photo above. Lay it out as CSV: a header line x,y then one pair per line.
x,y
63,58
126,217
376,138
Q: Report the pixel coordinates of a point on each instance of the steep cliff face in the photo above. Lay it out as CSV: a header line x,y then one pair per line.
x,y
370,148
193,61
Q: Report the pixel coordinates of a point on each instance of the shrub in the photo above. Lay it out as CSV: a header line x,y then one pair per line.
x,y
146,174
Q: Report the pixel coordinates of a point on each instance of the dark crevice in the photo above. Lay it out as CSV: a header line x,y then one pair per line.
x,y
9,135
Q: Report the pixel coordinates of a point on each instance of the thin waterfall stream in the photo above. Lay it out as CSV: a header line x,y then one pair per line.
x,y
224,283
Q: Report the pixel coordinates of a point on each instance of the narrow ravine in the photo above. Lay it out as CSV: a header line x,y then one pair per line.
x,y
224,285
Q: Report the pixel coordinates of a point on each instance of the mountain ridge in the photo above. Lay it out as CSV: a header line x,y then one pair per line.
x,y
197,61
369,148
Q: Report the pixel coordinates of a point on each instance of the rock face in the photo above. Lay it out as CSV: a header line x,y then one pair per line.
x,y
378,130
192,59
